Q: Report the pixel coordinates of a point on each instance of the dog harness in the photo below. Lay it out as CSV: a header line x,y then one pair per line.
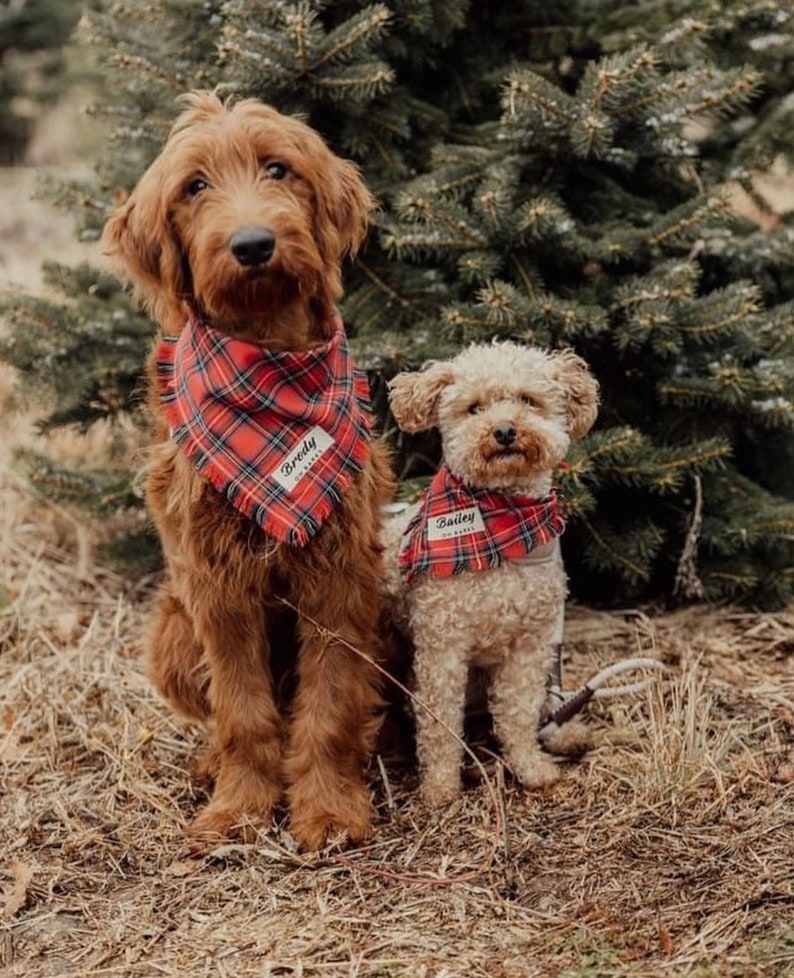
x,y
280,434
458,528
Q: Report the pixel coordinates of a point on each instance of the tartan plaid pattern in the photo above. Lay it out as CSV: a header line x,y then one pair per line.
x,y
458,528
280,434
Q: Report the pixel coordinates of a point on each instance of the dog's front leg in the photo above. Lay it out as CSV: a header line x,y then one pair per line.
x,y
517,696
245,714
336,713
175,658
441,667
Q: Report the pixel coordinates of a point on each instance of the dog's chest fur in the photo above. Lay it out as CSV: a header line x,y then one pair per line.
x,y
202,530
485,613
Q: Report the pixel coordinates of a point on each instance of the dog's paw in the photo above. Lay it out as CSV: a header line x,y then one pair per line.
x,y
317,833
572,739
537,772
217,824
438,794
314,826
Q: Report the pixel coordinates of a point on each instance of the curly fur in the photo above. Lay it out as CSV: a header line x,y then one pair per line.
x,y
503,619
296,717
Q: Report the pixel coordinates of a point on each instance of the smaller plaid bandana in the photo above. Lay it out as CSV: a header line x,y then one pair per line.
x,y
281,435
458,528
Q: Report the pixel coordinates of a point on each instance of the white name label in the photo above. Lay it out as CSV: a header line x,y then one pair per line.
x,y
459,523
295,466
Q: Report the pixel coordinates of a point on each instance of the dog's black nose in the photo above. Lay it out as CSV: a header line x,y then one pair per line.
x,y
252,245
505,434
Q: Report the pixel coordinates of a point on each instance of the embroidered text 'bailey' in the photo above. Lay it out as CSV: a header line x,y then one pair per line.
x,y
458,524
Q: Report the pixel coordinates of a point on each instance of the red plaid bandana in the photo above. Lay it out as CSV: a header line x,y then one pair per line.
x,y
280,434
458,528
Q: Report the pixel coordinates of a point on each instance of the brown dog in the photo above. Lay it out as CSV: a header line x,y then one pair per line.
x,y
238,229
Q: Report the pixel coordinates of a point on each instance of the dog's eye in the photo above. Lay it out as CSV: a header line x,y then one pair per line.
x,y
275,170
529,400
196,186
474,408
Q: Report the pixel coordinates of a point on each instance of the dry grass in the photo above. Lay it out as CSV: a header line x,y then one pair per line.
x,y
666,851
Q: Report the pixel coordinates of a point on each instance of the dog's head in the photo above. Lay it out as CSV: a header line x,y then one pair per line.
x,y
243,209
507,413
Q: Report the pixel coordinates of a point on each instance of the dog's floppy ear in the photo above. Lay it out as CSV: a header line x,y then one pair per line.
x,y
580,389
343,208
354,204
135,255
413,396
143,247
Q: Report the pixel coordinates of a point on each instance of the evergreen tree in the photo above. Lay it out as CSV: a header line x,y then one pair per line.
x,y
32,33
553,175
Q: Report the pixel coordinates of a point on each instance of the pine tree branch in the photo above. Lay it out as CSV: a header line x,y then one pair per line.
x,y
384,287
273,50
623,440
529,277
298,21
728,96
361,81
365,28
681,227
531,92
735,319
611,77
696,460
131,63
614,557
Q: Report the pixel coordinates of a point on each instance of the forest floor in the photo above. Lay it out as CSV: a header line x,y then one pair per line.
x,y
666,850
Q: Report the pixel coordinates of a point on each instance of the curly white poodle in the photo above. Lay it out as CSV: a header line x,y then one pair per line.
x,y
474,569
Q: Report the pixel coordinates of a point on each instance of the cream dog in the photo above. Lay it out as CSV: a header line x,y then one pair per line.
x,y
474,569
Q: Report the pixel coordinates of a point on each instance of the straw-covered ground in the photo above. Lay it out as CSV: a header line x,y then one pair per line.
x,y
667,850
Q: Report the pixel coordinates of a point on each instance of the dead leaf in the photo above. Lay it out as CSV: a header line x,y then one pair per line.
x,y
15,895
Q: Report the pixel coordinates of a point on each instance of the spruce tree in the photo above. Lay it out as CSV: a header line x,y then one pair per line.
x,y
553,175
31,37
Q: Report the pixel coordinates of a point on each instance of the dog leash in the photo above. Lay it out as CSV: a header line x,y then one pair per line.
x,y
568,704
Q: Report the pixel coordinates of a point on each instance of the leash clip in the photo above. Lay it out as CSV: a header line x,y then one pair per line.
x,y
571,703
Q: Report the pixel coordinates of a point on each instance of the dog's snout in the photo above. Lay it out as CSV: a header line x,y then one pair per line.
x,y
252,245
505,434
